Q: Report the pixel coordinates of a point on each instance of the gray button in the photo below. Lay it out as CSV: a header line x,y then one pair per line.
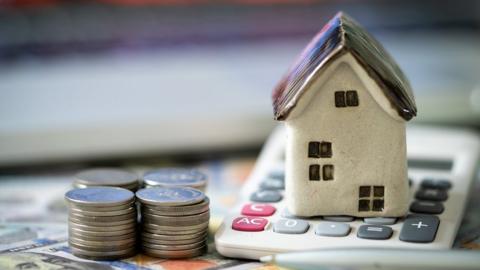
x,y
419,229
266,196
272,184
374,232
436,184
380,220
431,194
291,226
427,207
339,218
332,229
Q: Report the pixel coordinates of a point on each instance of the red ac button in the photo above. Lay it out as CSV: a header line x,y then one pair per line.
x,y
249,224
258,210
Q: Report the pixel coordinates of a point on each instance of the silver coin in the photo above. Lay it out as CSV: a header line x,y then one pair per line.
x,y
171,196
106,258
185,210
201,188
172,247
99,196
190,218
169,177
106,177
103,254
175,254
130,216
77,207
102,224
173,242
86,233
102,238
103,213
101,248
116,243
130,226
177,237
159,228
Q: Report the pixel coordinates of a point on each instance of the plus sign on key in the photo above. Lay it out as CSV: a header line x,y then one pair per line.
x,y
257,209
249,224
419,229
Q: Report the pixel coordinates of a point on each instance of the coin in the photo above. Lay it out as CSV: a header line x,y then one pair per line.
x,y
99,196
106,177
102,254
173,247
174,237
76,207
130,216
115,243
175,254
102,238
173,242
169,177
158,228
130,226
102,224
190,219
185,210
103,213
171,196
95,234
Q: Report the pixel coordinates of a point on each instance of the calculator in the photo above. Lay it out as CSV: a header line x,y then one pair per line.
x,y
442,166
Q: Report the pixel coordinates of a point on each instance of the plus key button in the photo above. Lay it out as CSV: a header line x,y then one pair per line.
x,y
249,224
258,210
419,229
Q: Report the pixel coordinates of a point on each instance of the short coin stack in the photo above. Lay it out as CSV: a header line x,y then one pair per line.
x,y
107,177
171,177
174,221
102,223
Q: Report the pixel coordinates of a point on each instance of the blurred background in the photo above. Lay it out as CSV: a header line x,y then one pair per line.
x,y
113,79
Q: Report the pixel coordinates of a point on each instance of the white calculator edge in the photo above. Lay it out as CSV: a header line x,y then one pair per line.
x,y
460,146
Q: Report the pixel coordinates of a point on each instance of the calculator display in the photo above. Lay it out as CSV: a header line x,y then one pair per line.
x,y
444,165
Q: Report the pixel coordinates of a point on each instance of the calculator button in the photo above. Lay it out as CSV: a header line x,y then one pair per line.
x,y
266,196
374,232
380,220
339,218
286,214
419,229
256,209
436,184
290,226
249,224
272,184
431,194
427,207
332,229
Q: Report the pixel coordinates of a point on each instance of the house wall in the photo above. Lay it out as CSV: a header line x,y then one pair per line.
x,y
368,144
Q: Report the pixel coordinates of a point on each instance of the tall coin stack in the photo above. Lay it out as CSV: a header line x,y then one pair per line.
x,y
174,221
107,177
170,177
102,223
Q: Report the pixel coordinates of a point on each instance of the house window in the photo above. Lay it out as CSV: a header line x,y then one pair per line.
x,y
314,149
327,171
346,98
319,149
314,172
371,198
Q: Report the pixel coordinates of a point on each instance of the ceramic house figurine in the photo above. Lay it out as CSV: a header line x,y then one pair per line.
x,y
345,103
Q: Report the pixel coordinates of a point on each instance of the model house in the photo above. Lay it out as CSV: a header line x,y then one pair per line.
x,y
345,103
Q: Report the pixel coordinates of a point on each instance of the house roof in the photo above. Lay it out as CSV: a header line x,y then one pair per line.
x,y
339,36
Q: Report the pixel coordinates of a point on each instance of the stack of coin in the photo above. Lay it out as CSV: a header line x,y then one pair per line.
x,y
174,221
107,177
102,223
175,177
